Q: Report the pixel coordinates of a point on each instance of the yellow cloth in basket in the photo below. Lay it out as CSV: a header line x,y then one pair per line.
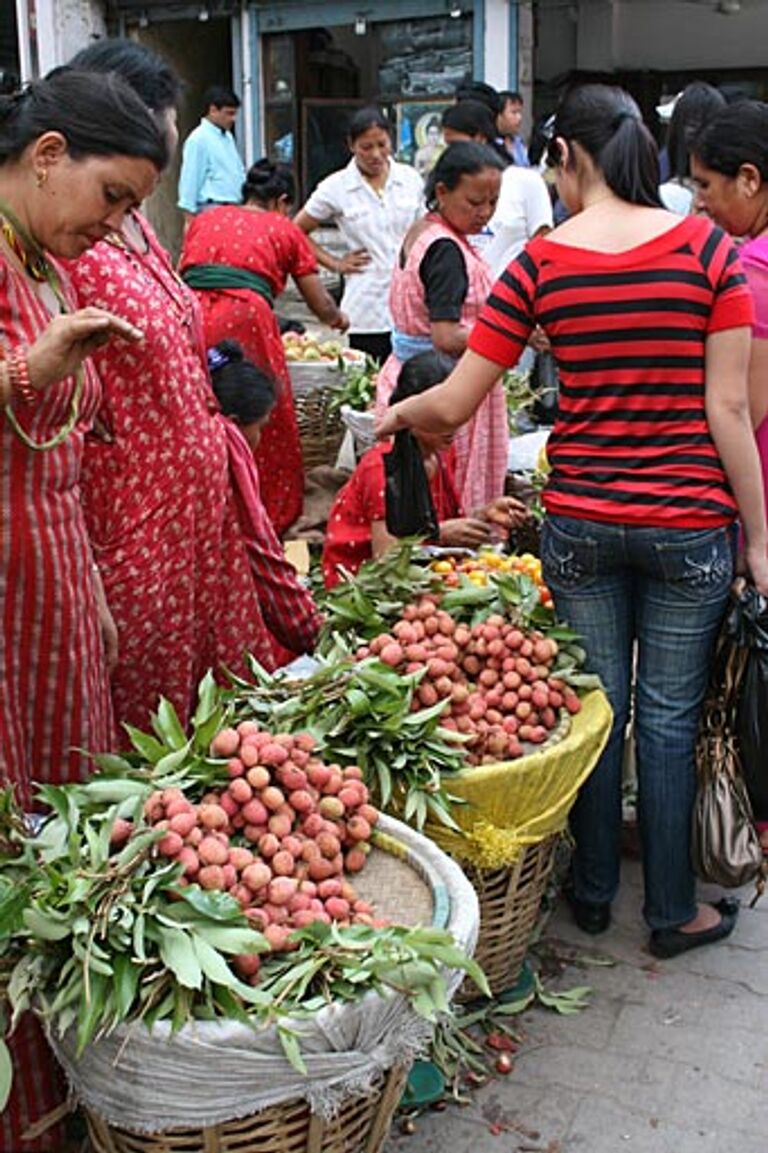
x,y
517,803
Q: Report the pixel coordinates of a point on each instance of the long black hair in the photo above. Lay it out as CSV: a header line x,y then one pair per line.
x,y
421,372
98,115
465,158
151,76
266,181
737,135
606,123
245,392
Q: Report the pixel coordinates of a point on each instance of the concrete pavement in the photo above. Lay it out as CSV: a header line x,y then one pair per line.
x,y
670,1057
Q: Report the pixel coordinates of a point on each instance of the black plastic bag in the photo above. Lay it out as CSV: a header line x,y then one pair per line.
x,y
409,507
546,384
747,625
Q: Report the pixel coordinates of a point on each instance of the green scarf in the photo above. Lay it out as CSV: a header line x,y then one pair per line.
x,y
213,276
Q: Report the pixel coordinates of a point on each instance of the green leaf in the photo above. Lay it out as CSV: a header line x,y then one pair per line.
x,y
150,748
126,981
207,698
167,726
213,964
233,939
290,1044
211,903
6,1074
46,926
178,954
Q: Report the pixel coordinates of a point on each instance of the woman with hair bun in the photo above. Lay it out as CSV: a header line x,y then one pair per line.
x,y
238,258
652,459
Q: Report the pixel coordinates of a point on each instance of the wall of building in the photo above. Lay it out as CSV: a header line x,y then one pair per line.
x,y
652,35
65,27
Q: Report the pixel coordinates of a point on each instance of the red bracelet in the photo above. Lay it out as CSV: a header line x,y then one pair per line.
x,y
18,376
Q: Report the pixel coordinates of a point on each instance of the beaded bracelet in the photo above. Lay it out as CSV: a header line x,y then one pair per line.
x,y
18,375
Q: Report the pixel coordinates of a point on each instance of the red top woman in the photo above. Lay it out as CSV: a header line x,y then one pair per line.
x,y
75,153
165,485
238,258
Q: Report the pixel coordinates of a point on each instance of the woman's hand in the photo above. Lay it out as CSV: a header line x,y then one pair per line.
x,y
464,532
352,262
107,622
69,339
757,563
341,323
505,511
390,422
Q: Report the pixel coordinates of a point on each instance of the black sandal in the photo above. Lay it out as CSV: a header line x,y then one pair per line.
x,y
666,943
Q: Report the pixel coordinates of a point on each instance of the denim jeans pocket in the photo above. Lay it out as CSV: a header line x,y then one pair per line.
x,y
699,563
569,553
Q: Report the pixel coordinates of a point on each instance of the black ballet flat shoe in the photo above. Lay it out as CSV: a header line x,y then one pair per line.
x,y
591,916
666,943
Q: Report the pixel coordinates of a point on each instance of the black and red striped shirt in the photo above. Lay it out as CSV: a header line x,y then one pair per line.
x,y
628,331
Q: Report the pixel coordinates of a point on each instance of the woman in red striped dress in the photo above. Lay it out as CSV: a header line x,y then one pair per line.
x,y
75,153
652,459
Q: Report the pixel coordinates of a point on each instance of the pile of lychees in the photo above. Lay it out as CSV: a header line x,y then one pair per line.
x,y
496,678
279,838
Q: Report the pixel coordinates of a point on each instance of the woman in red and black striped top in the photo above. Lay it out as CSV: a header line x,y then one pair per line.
x,y
652,459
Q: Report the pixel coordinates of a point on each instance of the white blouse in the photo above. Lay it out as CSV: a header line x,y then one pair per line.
x,y
376,222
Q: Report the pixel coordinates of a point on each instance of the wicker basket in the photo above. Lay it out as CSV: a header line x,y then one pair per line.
x,y
360,1126
412,882
320,428
510,900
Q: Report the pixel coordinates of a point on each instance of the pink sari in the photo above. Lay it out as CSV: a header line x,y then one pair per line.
x,y
754,258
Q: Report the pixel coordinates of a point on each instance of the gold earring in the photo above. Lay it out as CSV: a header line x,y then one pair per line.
x,y
41,177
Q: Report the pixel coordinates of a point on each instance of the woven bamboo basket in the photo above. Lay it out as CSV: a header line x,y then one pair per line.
x,y
321,428
360,1126
510,901
412,882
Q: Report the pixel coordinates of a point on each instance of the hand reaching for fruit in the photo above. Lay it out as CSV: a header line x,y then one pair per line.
x,y
505,511
464,532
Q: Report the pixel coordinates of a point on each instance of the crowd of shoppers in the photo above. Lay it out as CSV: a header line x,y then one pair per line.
x,y
150,457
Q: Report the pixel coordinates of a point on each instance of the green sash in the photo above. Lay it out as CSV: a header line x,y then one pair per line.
x,y
214,276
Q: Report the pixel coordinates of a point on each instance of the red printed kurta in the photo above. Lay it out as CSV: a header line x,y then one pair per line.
x,y
157,495
54,692
272,246
482,444
363,501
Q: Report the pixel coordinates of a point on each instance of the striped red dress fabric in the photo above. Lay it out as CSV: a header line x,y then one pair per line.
x,y
54,691
628,330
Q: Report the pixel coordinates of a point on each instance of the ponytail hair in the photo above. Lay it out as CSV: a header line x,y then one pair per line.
x,y
97,114
606,123
267,181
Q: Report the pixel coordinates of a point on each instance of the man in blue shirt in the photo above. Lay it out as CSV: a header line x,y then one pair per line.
x,y
212,171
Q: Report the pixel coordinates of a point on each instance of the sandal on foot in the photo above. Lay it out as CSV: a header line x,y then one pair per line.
x,y
666,943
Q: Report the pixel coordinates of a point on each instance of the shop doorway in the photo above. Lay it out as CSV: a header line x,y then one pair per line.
x,y
315,78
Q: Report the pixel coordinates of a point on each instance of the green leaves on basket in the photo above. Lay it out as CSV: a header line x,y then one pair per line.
x,y
362,607
361,714
99,940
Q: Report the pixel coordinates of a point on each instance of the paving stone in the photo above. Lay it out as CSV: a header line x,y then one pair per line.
x,y
670,1057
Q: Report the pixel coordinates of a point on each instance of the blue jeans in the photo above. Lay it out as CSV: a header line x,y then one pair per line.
x,y
662,592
